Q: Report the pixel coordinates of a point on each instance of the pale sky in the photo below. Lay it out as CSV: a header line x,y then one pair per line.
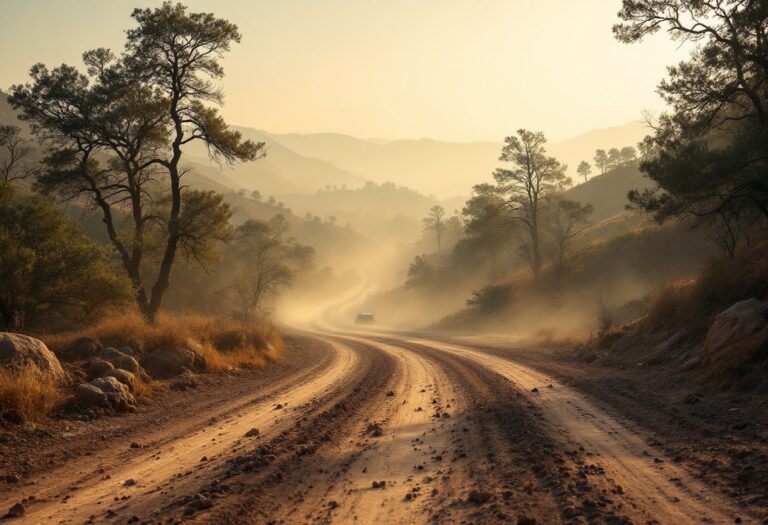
x,y
459,70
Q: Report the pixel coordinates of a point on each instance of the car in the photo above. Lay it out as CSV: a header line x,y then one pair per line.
x,y
365,318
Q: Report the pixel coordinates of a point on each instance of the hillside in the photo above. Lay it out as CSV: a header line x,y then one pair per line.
x,y
608,192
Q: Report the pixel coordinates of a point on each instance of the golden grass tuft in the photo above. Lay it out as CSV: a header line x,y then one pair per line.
x,y
29,393
257,343
693,303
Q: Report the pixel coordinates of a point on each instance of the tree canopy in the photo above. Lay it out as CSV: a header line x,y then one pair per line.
x,y
708,154
116,135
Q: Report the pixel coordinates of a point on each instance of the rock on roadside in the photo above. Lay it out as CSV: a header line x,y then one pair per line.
x,y
168,362
21,351
106,392
737,335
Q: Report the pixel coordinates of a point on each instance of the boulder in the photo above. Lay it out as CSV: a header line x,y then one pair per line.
x,y
124,376
91,396
83,348
738,335
168,362
118,395
98,368
121,360
21,351
105,392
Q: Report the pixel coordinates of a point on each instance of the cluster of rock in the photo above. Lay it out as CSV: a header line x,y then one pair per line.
x,y
106,377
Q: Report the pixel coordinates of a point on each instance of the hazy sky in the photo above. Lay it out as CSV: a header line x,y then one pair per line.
x,y
445,69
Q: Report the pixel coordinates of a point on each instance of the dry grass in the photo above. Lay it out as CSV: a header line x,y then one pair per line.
x,y
693,303
29,394
225,344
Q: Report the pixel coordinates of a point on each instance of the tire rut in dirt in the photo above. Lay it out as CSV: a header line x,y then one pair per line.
x,y
255,485
524,472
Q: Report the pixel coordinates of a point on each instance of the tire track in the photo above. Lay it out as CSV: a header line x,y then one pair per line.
x,y
656,490
278,476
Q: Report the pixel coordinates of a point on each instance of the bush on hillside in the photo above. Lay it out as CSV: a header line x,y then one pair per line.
x,y
691,304
50,271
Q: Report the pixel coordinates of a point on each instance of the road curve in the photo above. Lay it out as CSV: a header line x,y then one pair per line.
x,y
141,483
388,428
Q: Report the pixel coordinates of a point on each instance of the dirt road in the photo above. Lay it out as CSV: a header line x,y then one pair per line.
x,y
384,428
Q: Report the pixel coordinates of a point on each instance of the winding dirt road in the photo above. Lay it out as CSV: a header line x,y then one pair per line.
x,y
384,428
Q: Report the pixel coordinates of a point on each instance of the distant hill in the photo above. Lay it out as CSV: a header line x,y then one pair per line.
x,y
608,192
429,166
438,167
582,147
282,171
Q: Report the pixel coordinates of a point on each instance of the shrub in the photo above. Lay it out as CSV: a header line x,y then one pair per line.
x,y
261,342
27,395
49,269
693,303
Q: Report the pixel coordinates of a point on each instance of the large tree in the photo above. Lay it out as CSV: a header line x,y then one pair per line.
x,y
709,154
117,136
529,184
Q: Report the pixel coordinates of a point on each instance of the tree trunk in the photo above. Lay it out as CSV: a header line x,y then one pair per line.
x,y
164,275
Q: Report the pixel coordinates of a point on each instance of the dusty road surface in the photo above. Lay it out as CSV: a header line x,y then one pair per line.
x,y
382,428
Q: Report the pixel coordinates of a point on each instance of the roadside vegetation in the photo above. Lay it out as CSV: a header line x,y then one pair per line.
x,y
110,139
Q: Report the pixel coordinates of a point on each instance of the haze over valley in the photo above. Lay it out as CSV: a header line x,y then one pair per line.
x,y
384,262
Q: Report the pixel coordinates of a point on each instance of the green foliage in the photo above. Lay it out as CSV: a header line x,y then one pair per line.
x,y
204,223
116,137
584,169
492,298
48,268
533,179
708,156
264,261
421,273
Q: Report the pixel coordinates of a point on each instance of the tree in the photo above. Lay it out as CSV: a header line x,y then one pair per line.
x,y
256,195
101,132
709,155
627,155
601,160
566,221
584,169
420,273
614,158
490,229
117,136
16,155
534,179
434,223
49,268
265,261
177,52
